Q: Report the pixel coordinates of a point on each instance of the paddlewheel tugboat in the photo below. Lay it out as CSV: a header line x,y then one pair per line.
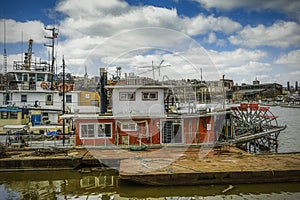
x,y
138,112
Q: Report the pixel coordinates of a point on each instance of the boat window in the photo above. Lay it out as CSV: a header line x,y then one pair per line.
x,y
104,130
83,130
19,77
13,115
128,126
149,96
127,96
3,115
49,99
25,77
69,98
87,130
91,130
23,97
40,77
32,77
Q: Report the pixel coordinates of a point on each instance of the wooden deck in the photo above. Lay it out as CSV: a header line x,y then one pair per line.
x,y
196,167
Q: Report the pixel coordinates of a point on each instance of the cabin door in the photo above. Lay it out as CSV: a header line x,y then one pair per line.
x,y
172,132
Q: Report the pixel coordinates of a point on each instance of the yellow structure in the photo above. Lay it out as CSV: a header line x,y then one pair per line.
x,y
88,98
11,116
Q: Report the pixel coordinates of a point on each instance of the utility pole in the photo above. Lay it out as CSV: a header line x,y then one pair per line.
x,y
63,110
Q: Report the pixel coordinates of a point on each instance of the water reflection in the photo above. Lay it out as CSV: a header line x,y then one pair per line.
x,y
56,184
106,185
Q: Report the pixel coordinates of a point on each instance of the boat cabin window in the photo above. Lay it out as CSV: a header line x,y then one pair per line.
x,y
8,114
87,130
128,126
49,99
68,98
13,115
32,77
25,77
19,77
4,115
40,77
102,130
127,96
149,96
23,97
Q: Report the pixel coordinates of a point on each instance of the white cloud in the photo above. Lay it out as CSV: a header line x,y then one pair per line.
x,y
94,9
241,65
30,29
104,33
292,58
201,24
211,38
290,7
100,22
235,58
250,67
95,18
280,34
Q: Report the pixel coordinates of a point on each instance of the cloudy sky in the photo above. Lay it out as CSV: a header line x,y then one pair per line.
x,y
241,39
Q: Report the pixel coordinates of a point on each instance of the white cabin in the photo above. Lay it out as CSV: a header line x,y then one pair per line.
x,y
138,100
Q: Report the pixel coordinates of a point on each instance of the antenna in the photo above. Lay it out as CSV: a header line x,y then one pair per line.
x,y
4,49
22,45
201,74
153,68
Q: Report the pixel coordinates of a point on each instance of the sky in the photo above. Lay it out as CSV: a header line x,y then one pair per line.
x,y
180,39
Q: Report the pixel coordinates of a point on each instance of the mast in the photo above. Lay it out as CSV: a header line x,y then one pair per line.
x,y
5,78
4,49
54,35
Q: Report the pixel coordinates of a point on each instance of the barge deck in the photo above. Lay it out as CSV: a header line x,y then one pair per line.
x,y
232,167
168,165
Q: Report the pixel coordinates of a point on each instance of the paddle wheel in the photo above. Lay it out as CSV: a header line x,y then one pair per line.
x,y
255,127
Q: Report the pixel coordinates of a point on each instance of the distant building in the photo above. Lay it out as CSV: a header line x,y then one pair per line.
x,y
257,91
217,88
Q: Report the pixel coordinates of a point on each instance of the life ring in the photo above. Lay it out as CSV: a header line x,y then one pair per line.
x,y
53,86
67,87
71,87
44,85
60,87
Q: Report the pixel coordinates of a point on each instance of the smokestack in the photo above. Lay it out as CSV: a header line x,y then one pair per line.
x,y
296,86
103,95
288,86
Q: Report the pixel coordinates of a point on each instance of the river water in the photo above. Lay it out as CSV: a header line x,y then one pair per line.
x,y
106,185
